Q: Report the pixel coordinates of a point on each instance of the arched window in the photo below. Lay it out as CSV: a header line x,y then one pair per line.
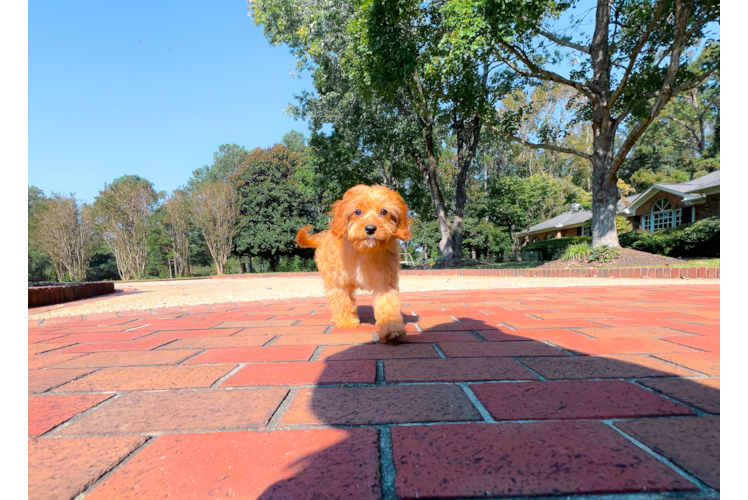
x,y
662,216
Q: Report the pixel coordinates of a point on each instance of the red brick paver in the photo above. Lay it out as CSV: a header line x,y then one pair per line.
x,y
330,463
493,393
480,460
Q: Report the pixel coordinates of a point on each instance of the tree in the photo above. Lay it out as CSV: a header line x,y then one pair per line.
x,y
273,205
40,268
124,210
294,141
516,203
387,116
177,225
636,60
215,211
64,230
226,162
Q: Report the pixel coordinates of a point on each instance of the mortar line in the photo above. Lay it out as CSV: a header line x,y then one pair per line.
x,y
438,351
540,377
281,410
693,479
191,356
548,342
652,356
238,367
79,416
317,352
478,405
111,471
476,334
380,380
270,341
386,464
698,412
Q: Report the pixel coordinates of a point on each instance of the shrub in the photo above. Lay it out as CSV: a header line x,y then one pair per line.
x,y
550,249
577,251
698,239
604,253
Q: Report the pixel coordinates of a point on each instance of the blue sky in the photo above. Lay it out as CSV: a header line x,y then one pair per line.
x,y
149,88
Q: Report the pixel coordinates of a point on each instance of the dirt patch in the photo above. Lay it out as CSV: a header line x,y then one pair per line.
x,y
628,258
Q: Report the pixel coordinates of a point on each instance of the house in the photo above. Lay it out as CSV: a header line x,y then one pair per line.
x,y
660,206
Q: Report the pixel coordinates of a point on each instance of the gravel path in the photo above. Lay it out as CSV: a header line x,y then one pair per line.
x,y
157,294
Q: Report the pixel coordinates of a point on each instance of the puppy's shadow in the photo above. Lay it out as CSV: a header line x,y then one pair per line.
x,y
366,316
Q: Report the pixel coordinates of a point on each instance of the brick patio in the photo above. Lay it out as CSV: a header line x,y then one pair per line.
x,y
533,392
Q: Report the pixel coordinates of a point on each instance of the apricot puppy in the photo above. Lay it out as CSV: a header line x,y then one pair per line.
x,y
361,251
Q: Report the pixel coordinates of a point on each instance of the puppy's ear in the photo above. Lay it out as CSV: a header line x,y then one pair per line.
x,y
403,223
339,222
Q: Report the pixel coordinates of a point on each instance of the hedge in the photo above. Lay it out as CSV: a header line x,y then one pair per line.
x,y
549,249
698,239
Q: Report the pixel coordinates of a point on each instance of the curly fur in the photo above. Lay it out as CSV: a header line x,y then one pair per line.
x,y
348,258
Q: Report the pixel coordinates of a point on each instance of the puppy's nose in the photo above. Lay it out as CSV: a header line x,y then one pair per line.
x,y
370,229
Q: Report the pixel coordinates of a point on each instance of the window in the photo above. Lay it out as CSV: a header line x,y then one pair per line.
x,y
586,230
662,216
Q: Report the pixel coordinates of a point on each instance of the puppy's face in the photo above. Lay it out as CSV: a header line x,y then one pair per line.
x,y
370,216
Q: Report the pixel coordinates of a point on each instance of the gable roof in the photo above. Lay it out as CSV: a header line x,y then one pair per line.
x,y
690,190
571,219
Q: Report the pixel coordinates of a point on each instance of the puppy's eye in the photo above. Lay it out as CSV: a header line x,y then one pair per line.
x,y
383,212
358,212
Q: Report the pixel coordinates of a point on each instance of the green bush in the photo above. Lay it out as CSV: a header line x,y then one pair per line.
x,y
550,249
698,239
604,253
578,251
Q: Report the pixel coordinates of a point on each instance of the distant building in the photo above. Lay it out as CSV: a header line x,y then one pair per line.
x,y
659,207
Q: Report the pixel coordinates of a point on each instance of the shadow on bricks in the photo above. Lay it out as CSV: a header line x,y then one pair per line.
x,y
572,398
504,413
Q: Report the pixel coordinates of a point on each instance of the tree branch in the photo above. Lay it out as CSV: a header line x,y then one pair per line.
x,y
564,43
540,146
637,50
538,72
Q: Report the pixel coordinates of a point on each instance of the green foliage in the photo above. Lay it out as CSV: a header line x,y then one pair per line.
x,y
604,253
273,205
294,141
425,236
486,238
623,224
549,249
698,239
577,251
226,162
517,203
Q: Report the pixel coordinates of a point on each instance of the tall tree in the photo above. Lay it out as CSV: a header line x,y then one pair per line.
x,y
226,162
177,225
124,210
64,230
215,211
273,204
635,60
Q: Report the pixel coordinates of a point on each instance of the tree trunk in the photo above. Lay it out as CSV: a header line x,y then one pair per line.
x,y
464,159
273,261
249,265
446,244
605,197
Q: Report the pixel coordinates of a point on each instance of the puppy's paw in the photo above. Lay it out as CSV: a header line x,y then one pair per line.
x,y
391,333
347,323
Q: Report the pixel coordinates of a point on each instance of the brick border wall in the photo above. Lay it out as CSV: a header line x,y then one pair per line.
x,y
48,295
639,272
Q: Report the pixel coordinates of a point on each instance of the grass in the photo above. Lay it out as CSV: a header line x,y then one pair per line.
x,y
699,263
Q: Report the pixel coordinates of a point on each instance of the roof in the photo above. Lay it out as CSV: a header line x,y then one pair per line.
x,y
570,218
690,190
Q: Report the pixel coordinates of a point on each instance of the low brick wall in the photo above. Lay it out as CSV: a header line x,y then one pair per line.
x,y
48,295
638,272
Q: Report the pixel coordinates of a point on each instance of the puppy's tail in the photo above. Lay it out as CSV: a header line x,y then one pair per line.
x,y
306,240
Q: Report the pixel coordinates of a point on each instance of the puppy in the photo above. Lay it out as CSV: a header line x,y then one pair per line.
x,y
361,251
